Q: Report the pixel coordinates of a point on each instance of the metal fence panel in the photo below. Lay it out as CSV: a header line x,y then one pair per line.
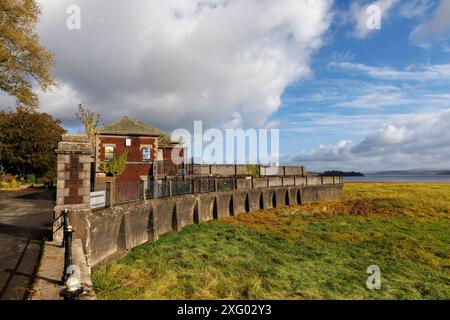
x,y
225,184
207,185
181,187
127,191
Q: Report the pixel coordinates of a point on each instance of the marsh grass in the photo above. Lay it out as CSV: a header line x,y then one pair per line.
x,y
316,251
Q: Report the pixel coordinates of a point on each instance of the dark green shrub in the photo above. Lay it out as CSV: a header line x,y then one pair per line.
x,y
30,178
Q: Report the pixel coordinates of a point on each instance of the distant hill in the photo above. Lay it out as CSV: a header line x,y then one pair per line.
x,y
337,173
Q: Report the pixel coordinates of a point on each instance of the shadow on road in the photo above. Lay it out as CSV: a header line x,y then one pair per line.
x,y
40,194
34,233
25,222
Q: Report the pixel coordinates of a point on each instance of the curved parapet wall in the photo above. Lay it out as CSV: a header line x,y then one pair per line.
x,y
125,227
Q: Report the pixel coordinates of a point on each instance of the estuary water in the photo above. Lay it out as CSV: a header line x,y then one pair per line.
x,y
399,178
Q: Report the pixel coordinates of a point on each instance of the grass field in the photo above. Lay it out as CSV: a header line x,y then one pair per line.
x,y
306,252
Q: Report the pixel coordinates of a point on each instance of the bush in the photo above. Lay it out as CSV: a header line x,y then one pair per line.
x,y
253,170
30,178
116,167
10,182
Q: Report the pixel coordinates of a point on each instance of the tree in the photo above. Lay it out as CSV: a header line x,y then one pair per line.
x,y
28,141
90,121
116,167
22,59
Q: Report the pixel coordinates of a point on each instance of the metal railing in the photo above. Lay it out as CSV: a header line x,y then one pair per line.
x,y
124,192
127,191
166,188
225,184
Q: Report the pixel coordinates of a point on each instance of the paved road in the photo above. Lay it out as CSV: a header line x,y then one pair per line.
x,y
25,220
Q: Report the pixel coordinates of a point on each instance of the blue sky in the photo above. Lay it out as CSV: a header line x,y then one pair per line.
x,y
342,103
343,96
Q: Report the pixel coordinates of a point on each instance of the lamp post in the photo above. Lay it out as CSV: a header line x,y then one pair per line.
x,y
73,288
70,278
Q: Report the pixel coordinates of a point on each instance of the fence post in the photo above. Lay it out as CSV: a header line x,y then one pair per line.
x,y
170,187
113,194
108,195
142,190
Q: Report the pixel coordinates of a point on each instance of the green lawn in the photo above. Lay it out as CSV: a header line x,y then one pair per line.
x,y
305,252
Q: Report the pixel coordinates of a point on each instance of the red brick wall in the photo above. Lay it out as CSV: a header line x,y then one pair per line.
x,y
133,172
135,166
167,153
134,152
74,182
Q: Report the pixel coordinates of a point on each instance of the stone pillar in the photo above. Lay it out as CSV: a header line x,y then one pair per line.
x,y
73,184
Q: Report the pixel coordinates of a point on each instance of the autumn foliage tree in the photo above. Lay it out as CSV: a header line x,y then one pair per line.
x,y
22,59
28,141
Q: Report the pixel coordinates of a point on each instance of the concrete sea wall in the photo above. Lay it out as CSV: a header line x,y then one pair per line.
x,y
124,227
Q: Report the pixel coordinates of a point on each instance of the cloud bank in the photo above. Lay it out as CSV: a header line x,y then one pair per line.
x,y
411,142
435,28
175,61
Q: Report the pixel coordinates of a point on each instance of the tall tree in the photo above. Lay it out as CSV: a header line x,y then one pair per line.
x,y
22,59
28,141
90,121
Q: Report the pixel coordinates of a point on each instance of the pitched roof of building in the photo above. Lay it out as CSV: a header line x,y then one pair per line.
x,y
130,127
127,126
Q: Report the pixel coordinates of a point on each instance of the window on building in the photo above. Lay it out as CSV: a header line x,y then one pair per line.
x,y
127,142
109,153
146,153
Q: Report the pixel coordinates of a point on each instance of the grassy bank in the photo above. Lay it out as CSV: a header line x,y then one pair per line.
x,y
305,252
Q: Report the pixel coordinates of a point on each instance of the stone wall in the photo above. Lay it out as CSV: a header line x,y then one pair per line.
x,y
125,227
121,228
242,170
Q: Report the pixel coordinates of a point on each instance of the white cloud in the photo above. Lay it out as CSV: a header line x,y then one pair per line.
x,y
438,27
415,8
423,73
172,62
419,140
359,15
376,97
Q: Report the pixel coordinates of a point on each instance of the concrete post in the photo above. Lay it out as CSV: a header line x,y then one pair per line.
x,y
73,182
144,181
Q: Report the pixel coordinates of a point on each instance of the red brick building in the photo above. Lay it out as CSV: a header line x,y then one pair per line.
x,y
144,145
